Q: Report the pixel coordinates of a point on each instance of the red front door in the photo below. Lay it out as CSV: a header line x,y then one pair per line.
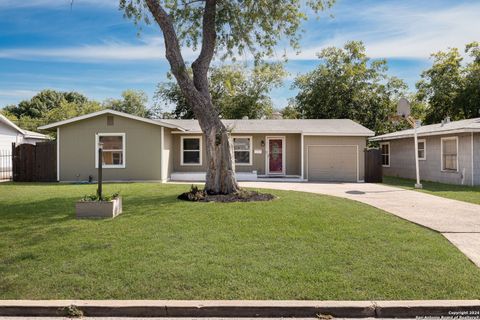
x,y
275,156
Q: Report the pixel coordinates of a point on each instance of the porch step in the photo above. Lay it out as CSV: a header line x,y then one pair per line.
x,y
200,176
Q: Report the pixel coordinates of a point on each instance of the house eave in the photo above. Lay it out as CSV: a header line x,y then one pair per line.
x,y
112,112
425,134
325,134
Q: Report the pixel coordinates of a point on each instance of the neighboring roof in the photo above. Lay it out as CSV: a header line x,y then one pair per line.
x,y
326,127
35,135
25,133
113,112
468,125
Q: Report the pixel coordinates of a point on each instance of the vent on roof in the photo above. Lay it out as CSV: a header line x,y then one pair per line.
x,y
109,120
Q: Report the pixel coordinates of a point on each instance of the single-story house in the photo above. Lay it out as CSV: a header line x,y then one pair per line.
x,y
11,133
138,149
448,152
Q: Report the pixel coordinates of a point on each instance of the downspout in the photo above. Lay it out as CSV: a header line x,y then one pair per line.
x,y
473,176
301,155
162,141
58,154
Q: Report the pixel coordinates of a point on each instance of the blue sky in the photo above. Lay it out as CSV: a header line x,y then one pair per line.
x,y
92,49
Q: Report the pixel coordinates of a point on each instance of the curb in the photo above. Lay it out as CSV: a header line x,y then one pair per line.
x,y
242,308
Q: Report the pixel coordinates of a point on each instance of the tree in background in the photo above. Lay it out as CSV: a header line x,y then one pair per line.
x,y
49,106
450,88
132,102
236,91
348,84
43,102
229,28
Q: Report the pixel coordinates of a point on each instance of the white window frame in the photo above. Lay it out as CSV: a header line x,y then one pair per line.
x,y
389,154
441,153
424,149
250,151
200,151
124,150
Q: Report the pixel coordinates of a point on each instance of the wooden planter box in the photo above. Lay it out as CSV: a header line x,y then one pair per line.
x,y
99,209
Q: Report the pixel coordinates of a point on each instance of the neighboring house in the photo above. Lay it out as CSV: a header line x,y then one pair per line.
x,y
11,133
138,149
448,152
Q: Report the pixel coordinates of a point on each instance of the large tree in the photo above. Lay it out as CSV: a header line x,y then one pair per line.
x,y
132,102
237,91
451,87
348,84
49,106
228,28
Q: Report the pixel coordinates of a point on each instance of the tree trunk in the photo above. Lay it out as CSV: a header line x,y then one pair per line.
x,y
220,170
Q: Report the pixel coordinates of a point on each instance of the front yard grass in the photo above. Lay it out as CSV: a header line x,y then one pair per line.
x,y
451,191
299,246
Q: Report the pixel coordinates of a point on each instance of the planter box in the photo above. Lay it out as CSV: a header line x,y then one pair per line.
x,y
99,209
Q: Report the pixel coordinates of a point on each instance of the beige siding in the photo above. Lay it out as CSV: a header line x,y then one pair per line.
x,y
402,160
167,154
258,161
142,154
357,142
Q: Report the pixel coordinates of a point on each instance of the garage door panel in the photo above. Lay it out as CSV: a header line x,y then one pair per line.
x,y
332,163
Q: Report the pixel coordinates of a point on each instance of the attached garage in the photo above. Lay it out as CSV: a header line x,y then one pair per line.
x,y
334,158
332,163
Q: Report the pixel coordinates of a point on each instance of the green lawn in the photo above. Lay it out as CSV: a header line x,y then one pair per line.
x,y
451,191
300,246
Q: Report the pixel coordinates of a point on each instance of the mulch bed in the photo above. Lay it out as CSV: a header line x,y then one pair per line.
x,y
241,196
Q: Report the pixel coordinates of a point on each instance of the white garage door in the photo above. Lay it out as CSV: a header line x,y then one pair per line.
x,y
332,163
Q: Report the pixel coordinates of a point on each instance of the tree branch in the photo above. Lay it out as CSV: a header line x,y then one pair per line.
x,y
172,46
209,36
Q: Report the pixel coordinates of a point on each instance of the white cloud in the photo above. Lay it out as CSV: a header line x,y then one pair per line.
x,y
406,31
55,3
150,49
17,93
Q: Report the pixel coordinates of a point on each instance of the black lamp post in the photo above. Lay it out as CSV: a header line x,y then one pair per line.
x,y
100,164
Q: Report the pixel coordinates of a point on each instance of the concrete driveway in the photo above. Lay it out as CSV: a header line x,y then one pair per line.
x,y
458,221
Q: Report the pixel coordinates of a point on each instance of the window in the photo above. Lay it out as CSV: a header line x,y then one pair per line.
x,y
113,153
242,147
385,150
449,154
191,153
422,149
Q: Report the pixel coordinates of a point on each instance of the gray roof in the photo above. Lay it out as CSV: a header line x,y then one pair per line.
x,y
468,125
328,127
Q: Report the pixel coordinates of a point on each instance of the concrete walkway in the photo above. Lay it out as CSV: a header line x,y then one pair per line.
x,y
458,221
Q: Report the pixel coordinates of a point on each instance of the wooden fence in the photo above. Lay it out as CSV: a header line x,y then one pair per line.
x,y
35,163
373,166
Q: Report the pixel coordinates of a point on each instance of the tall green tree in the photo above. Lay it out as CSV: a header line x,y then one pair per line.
x,y
42,102
236,91
348,84
132,102
228,28
49,106
451,87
